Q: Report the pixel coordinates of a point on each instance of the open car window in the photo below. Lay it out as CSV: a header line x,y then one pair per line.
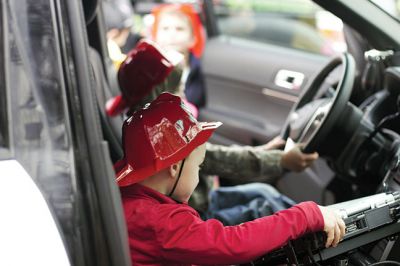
x,y
298,24
392,7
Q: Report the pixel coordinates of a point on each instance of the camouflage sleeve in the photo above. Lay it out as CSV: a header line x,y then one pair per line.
x,y
242,163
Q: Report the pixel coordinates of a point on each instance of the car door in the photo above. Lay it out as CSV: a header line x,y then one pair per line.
x,y
259,57
259,60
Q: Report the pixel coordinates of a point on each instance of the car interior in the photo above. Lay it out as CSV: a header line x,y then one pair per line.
x,y
262,80
344,106
343,115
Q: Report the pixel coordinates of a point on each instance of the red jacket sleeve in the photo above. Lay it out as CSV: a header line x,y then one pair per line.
x,y
183,237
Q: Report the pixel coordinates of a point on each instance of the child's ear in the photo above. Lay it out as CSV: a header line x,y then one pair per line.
x,y
173,169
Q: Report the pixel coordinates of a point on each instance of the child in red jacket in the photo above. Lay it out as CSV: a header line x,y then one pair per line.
x,y
164,149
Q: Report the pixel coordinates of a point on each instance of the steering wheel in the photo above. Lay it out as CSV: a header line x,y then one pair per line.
x,y
310,120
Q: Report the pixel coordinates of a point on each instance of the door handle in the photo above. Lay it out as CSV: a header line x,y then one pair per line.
x,y
288,79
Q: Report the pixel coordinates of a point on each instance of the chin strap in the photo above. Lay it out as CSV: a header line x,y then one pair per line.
x,y
179,176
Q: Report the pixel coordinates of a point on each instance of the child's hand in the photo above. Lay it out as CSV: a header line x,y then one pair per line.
x,y
333,226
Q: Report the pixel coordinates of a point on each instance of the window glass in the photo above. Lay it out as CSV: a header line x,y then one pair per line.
x,y
3,95
40,128
298,24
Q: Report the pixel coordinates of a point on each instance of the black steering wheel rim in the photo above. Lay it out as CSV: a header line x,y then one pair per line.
x,y
338,102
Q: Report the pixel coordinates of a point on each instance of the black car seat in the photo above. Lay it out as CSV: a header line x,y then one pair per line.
x,y
111,126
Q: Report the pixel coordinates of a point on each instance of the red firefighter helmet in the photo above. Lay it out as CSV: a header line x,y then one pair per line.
x,y
145,66
197,27
164,132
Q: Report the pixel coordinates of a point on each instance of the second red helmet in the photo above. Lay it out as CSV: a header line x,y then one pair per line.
x,y
145,66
